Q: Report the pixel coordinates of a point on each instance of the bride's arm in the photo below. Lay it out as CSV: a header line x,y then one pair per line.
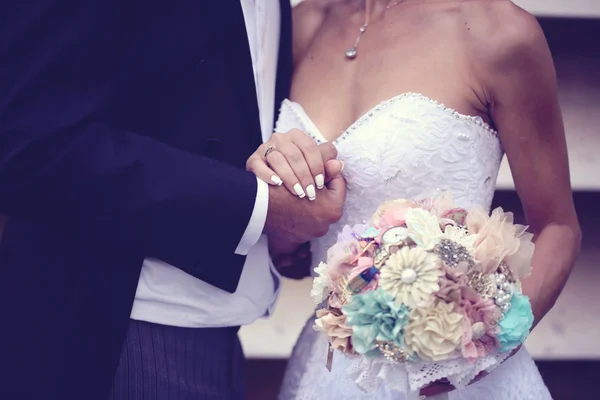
x,y
524,106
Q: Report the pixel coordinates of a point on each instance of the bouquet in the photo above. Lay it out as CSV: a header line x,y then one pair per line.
x,y
425,291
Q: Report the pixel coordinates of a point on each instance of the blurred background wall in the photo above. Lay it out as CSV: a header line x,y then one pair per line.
x,y
566,344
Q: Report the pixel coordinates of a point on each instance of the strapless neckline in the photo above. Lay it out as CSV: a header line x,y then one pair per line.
x,y
318,136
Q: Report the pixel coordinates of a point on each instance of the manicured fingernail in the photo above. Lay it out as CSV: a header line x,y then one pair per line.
x,y
312,194
343,165
320,181
276,180
299,191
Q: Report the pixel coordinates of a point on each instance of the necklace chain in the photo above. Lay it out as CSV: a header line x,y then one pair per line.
x,y
352,52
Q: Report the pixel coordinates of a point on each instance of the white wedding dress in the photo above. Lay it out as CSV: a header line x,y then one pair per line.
x,y
403,148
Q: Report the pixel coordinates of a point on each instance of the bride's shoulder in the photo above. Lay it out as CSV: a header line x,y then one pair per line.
x,y
308,17
502,32
506,48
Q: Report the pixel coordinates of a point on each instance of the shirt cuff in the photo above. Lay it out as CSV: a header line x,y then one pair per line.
x,y
257,220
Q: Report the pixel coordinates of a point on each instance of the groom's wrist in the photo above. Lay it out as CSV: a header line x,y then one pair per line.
x,y
257,220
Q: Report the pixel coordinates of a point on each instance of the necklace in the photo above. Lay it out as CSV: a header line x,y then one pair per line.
x,y
352,52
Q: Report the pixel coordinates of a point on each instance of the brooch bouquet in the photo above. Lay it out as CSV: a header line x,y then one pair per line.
x,y
425,291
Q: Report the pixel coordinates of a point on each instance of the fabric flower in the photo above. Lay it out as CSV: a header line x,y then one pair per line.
x,y
322,283
480,328
516,323
391,213
363,264
437,202
374,316
423,228
434,333
334,326
476,219
456,215
351,234
454,284
520,262
411,275
499,239
461,236
339,257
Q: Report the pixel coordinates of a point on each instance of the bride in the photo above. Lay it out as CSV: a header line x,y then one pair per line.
x,y
418,95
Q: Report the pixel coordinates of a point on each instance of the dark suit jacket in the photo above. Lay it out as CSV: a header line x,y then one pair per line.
x,y
124,130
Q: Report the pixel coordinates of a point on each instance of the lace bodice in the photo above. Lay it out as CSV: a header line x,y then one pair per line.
x,y
405,147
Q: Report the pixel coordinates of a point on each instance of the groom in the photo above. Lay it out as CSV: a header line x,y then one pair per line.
x,y
124,130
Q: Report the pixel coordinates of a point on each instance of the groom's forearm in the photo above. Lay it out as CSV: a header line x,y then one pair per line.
x,y
176,206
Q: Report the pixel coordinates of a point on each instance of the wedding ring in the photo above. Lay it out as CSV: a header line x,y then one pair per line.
x,y
269,150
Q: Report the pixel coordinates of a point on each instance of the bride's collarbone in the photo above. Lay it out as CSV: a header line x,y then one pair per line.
x,y
336,94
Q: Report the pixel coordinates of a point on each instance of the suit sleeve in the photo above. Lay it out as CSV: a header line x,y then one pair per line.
x,y
63,165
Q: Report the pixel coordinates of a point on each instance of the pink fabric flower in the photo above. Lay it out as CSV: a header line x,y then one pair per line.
x,y
458,215
339,257
454,285
480,328
438,203
364,263
391,213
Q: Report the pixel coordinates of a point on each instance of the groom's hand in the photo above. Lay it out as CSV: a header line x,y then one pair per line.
x,y
299,221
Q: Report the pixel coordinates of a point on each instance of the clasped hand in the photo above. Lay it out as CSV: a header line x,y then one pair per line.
x,y
306,192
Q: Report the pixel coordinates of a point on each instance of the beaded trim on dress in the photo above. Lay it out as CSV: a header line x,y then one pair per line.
x,y
476,120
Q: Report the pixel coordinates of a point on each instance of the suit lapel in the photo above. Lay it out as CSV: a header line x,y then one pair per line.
x,y
240,62
285,59
242,73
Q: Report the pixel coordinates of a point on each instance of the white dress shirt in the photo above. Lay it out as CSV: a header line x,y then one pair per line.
x,y
167,295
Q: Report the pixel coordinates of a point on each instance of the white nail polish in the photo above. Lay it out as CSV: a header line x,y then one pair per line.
x,y
320,181
299,191
310,191
276,180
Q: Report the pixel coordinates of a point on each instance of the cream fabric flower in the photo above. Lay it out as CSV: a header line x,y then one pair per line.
x,y
423,228
499,239
434,333
322,284
334,326
460,236
520,262
411,275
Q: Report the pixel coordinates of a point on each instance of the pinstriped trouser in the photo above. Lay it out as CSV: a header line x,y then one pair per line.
x,y
169,363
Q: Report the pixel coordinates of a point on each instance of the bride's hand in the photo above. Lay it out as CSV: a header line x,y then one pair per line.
x,y
295,160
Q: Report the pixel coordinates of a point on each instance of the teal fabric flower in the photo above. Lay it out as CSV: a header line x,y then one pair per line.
x,y
516,323
375,316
